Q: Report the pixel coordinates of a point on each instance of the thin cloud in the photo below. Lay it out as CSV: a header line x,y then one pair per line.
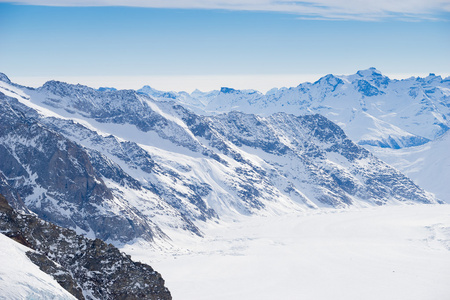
x,y
368,10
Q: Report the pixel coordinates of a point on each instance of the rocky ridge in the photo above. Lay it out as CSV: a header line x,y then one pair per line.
x,y
88,269
53,177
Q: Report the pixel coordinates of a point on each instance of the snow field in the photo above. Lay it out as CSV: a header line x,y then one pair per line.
x,y
396,252
21,279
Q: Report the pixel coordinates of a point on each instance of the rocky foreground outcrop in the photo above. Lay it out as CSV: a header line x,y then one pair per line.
x,y
88,269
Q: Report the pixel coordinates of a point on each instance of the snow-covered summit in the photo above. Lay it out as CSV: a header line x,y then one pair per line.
x,y
370,73
329,80
418,108
4,78
156,93
106,89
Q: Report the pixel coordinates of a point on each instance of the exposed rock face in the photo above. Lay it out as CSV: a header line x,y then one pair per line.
x,y
318,150
58,181
88,269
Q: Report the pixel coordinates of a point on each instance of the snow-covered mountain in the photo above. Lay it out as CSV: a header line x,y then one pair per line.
x,y
54,177
121,165
371,108
428,165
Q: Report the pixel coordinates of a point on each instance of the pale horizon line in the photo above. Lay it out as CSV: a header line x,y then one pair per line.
x,y
189,83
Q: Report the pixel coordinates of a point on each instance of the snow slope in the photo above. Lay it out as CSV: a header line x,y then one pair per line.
x,y
21,279
427,165
391,252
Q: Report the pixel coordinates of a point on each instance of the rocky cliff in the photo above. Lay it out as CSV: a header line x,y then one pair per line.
x,y
88,269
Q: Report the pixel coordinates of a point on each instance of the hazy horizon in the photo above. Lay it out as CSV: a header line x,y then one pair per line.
x,y
183,45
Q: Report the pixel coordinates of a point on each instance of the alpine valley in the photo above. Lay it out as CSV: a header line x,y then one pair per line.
x,y
155,173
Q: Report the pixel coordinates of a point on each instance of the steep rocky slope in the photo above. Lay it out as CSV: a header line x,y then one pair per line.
x,y
428,165
53,177
88,269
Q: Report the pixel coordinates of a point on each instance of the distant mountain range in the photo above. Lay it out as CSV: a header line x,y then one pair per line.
x,y
126,165
371,108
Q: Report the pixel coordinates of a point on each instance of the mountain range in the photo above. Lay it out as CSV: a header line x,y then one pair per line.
x,y
125,165
371,108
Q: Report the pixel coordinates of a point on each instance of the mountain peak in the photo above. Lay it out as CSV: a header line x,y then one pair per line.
x,y
55,83
226,90
106,89
4,78
325,78
371,75
370,72
147,87
432,76
330,81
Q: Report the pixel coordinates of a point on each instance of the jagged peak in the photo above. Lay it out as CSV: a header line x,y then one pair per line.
x,y
56,83
329,80
227,90
197,91
4,78
251,91
370,72
149,91
272,91
371,75
106,89
325,78
432,76
147,88
245,92
69,90
63,88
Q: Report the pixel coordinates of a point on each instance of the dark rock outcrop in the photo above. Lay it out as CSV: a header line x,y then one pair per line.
x,y
58,173
88,269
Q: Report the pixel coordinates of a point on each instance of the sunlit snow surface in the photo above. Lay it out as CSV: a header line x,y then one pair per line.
x,y
427,165
396,252
21,279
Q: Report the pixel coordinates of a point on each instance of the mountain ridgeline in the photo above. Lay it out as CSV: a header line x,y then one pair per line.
x,y
372,108
121,165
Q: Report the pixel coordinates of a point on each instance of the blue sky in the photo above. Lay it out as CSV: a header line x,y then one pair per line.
x,y
96,42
